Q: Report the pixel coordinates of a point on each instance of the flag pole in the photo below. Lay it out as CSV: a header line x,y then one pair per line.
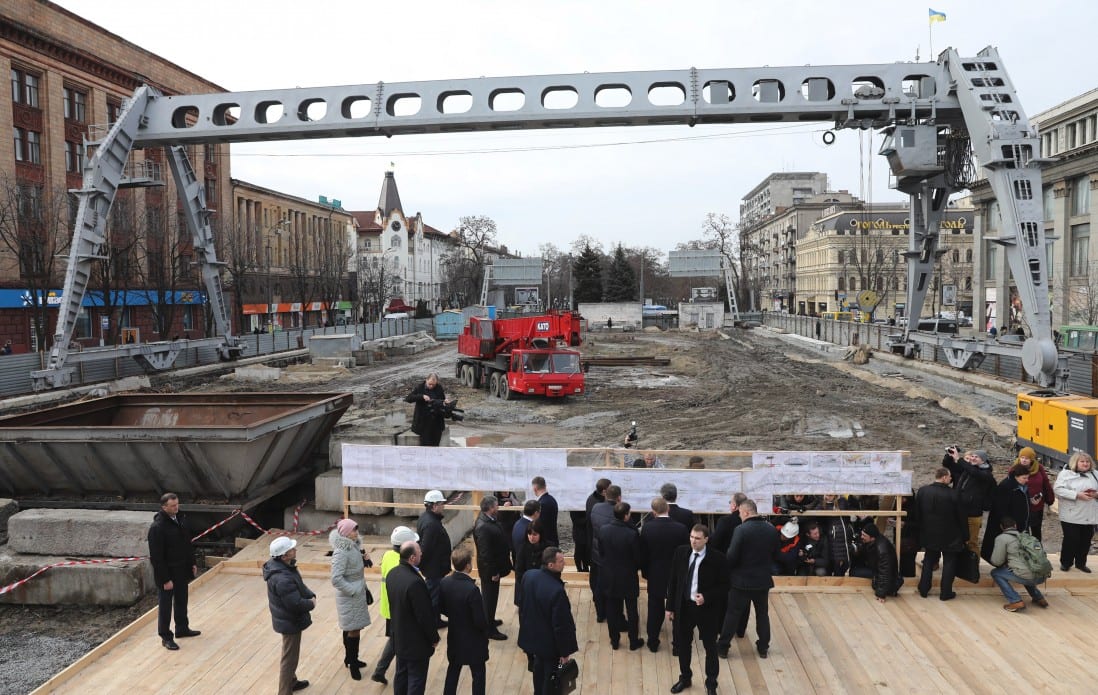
x,y
930,33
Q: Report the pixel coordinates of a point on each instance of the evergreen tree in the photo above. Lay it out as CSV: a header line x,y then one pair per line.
x,y
621,280
588,273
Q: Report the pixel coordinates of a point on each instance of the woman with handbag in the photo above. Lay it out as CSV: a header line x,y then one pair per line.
x,y
352,596
1077,489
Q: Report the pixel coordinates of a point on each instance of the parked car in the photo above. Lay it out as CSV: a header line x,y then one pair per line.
x,y
933,325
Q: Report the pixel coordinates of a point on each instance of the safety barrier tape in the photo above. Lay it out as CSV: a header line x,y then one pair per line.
x,y
102,561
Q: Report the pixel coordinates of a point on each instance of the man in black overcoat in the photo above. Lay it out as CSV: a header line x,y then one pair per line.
x,y
621,558
695,600
550,510
493,559
172,558
413,622
660,537
547,629
467,638
435,543
754,549
940,515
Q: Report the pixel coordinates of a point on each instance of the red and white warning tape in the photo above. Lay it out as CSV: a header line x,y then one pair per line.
x,y
237,512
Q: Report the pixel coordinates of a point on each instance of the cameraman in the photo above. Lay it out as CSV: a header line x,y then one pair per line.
x,y
429,418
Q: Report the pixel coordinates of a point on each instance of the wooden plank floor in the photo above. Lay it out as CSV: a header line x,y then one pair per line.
x,y
826,639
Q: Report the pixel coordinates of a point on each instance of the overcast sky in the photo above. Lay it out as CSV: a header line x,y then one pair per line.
x,y
639,194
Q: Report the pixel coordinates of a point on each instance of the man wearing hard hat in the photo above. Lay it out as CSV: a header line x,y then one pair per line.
x,y
435,542
290,602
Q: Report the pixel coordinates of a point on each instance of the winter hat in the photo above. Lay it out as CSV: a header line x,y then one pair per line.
x,y
790,529
871,530
1029,453
401,535
347,527
981,454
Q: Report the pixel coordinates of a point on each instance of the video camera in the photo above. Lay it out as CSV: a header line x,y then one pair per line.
x,y
631,437
446,409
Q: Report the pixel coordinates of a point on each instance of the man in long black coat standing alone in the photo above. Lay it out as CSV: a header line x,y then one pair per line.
x,y
493,559
660,537
172,558
941,517
467,637
621,558
413,622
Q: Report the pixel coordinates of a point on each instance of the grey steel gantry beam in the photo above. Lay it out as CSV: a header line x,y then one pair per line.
x,y
850,96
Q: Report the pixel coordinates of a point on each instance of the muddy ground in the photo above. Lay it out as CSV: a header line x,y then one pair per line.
x,y
754,390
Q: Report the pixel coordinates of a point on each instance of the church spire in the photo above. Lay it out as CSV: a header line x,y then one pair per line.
x,y
390,198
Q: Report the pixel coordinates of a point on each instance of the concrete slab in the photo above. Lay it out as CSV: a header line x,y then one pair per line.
x,y
329,346
80,532
7,509
255,372
329,495
108,584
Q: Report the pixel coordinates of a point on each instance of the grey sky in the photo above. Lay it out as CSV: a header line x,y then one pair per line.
x,y
654,194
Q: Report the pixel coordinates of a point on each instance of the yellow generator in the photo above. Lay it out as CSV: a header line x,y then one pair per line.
x,y
1056,426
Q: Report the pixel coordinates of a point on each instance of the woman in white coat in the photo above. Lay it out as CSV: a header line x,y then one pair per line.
x,y
1077,490
352,597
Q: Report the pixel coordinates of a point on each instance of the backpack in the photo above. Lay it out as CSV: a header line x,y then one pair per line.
x,y
1034,556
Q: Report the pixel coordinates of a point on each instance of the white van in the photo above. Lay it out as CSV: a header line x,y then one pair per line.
x,y
399,315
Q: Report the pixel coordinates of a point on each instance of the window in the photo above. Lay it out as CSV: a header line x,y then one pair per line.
x,y
24,88
74,157
28,146
968,255
209,151
1080,196
1080,249
211,191
1049,200
188,318
114,110
956,255
394,241
75,104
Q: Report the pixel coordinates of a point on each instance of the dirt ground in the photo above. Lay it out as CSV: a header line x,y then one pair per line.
x,y
754,390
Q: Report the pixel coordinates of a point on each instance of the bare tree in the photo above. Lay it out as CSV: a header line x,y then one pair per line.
x,y
302,260
240,248
378,280
1083,298
335,255
165,247
36,228
474,237
116,271
871,260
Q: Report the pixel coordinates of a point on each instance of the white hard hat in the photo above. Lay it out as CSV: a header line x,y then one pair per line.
x,y
402,534
282,545
433,497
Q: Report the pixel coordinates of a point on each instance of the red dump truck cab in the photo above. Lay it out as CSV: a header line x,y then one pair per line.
x,y
519,356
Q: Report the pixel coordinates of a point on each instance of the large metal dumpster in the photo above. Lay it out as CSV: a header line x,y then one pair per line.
x,y
219,447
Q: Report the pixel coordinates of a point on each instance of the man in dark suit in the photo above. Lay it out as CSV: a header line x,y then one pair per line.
x,y
174,567
751,556
599,495
621,558
493,560
660,537
413,621
670,492
531,510
435,542
940,515
695,599
467,639
721,539
549,511
600,515
547,629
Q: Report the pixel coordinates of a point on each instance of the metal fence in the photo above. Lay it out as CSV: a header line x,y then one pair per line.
x,y
1083,367
15,369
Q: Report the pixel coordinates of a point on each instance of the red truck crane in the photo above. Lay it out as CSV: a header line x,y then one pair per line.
x,y
523,355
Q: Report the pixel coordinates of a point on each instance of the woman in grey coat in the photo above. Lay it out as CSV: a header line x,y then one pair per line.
x,y
352,602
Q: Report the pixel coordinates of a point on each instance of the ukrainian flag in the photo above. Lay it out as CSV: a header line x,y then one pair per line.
x,y
937,16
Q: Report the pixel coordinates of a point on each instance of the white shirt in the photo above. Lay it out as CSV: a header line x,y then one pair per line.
x,y
697,566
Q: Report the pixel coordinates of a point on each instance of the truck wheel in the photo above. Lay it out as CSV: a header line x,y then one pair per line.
x,y
493,385
476,379
505,391
468,377
459,370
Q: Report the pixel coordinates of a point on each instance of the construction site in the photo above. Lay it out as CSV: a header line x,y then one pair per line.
x,y
724,391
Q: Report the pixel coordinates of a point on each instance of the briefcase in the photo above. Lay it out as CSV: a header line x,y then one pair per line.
x,y
968,566
563,678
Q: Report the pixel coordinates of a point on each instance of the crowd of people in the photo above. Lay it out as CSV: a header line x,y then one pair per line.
x,y
703,581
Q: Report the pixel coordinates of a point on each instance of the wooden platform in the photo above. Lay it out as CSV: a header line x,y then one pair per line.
x,y
828,637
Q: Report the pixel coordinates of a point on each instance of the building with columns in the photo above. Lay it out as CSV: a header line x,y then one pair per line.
x,y
1069,141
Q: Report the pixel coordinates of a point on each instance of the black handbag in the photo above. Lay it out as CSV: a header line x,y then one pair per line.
x,y
369,597
563,678
968,566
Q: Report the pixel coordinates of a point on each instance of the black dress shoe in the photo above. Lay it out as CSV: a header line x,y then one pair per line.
x,y
497,635
722,650
615,645
634,646
1083,568
187,633
710,690
600,619
300,685
497,622
653,647
169,644
763,653
680,685
924,594
947,597
380,678
441,624
1065,568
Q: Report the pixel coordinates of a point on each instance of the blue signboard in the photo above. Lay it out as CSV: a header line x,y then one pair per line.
x,y
21,299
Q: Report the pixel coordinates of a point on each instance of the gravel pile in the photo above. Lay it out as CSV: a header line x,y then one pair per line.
x,y
27,660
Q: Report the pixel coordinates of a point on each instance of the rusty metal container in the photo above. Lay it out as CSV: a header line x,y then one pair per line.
x,y
219,447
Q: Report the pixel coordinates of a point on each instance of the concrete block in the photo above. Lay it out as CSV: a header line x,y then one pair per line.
x,y
129,383
309,519
363,357
344,362
410,438
329,495
321,346
7,509
81,532
257,372
108,584
409,496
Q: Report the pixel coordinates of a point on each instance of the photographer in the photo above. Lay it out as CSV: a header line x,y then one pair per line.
x,y
429,418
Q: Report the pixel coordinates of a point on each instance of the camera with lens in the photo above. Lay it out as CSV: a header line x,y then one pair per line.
x,y
446,409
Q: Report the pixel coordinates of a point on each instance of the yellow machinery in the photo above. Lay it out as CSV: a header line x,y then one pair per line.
x,y
1056,426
